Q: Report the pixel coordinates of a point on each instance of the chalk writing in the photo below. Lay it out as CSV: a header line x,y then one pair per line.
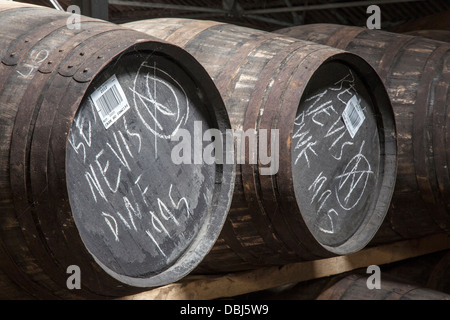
x,y
150,109
317,187
37,57
117,180
354,177
322,135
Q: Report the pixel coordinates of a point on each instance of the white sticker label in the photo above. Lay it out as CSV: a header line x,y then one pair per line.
x,y
110,101
353,116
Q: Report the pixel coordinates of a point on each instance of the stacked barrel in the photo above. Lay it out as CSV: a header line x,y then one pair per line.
x,y
334,182
421,278
89,197
324,140
416,72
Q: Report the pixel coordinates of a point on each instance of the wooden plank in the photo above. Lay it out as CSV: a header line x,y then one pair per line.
x,y
214,287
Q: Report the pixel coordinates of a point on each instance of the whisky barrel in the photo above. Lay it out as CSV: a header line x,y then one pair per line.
x,y
439,35
430,271
437,21
87,178
354,287
416,72
329,189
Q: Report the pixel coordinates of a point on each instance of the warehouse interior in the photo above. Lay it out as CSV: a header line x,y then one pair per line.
x,y
264,15
407,258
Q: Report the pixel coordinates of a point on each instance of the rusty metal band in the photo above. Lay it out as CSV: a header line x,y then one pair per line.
x,y
229,70
20,157
392,53
105,54
23,206
284,179
94,46
25,42
231,239
264,222
398,293
20,170
268,185
183,35
90,29
49,231
5,6
222,82
56,165
422,140
440,131
49,152
440,271
344,36
446,102
338,290
14,272
68,243
29,109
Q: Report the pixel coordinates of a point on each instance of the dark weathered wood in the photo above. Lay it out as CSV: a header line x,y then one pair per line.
x,y
440,35
251,282
266,81
438,21
429,271
425,272
351,286
354,287
108,199
416,72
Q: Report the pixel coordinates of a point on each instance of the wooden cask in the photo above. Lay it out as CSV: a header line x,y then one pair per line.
x,y
354,287
429,271
87,179
439,35
334,182
438,21
416,72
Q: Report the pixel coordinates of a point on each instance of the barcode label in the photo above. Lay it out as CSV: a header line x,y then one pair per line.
x,y
353,116
110,101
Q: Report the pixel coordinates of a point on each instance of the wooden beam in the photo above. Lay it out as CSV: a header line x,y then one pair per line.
x,y
230,285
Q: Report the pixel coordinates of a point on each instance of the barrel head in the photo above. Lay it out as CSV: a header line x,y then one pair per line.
x,y
339,158
145,218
